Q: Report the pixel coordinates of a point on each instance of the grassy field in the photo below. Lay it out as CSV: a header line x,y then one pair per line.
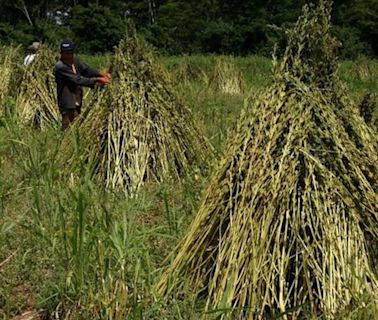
x,y
70,250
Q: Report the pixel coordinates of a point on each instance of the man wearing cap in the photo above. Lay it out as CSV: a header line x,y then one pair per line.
x,y
71,74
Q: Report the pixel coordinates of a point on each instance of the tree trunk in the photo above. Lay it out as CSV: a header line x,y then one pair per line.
x,y
25,11
151,9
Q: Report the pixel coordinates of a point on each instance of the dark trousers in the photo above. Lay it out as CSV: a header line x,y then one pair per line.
x,y
69,116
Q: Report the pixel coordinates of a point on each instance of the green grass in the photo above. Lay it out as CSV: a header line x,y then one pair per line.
x,y
70,248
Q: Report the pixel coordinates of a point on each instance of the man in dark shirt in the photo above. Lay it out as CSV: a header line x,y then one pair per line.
x,y
71,74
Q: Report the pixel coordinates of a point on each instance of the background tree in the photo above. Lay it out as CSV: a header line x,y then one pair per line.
x,y
177,26
96,28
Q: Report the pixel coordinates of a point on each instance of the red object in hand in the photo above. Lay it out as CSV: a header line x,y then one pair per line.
x,y
103,80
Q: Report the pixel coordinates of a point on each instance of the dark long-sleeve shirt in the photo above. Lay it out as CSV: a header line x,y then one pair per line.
x,y
69,83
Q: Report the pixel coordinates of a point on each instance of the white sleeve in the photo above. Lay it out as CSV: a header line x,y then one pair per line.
x,y
29,59
26,60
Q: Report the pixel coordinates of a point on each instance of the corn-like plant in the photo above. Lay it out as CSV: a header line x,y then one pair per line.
x,y
284,225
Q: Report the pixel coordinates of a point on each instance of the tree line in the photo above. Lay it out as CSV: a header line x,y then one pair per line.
x,y
238,27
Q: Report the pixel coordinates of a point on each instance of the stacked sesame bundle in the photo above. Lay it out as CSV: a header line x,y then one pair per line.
x,y
138,128
36,101
284,225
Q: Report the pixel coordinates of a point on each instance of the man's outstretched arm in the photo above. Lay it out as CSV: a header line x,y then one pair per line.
x,y
65,73
89,72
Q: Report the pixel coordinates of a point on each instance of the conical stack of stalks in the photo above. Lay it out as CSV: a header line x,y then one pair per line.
x,y
285,224
188,71
363,69
7,68
227,77
37,102
139,130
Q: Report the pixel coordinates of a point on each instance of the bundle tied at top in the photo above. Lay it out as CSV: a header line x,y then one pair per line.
x,y
286,222
138,129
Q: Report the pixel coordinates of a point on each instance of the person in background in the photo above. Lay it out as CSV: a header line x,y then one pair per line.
x,y
71,74
32,52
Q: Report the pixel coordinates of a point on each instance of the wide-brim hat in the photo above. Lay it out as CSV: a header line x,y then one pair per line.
x,y
34,46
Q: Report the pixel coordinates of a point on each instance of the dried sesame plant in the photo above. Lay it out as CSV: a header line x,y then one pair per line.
x,y
188,71
37,102
227,77
8,56
138,128
284,224
368,109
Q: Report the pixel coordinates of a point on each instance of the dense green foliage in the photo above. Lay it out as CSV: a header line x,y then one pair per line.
x,y
182,26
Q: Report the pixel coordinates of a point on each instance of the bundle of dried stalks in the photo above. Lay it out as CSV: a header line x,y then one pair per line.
x,y
283,225
138,129
368,109
7,66
363,69
227,77
36,102
188,71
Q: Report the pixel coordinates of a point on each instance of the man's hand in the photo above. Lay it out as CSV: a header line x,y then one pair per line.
x,y
103,80
106,75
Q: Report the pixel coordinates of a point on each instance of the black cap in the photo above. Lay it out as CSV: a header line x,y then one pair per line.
x,y
67,45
